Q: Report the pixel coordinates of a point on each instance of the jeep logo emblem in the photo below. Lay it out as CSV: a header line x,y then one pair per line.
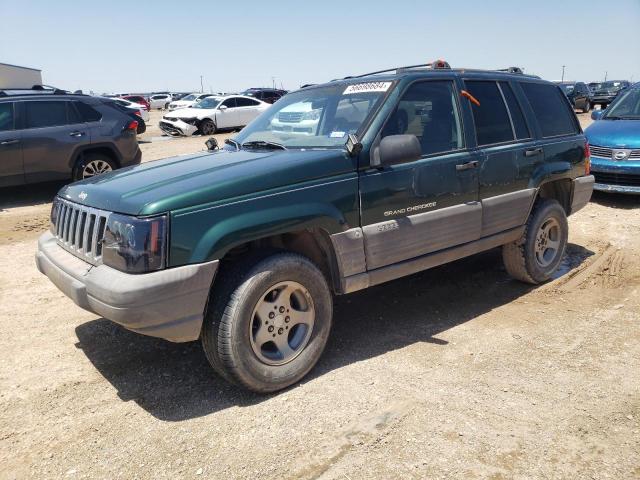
x,y
82,195
620,154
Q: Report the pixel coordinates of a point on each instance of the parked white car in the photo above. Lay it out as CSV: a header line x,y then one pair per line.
x,y
299,118
137,108
189,100
160,100
212,114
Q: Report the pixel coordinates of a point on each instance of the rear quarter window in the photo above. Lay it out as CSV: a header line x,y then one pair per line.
x,y
551,109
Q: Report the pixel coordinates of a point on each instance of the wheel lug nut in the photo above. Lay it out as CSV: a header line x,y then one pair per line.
x,y
271,314
287,319
271,328
280,331
281,309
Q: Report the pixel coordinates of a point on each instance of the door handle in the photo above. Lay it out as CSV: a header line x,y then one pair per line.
x,y
467,165
76,134
12,141
532,152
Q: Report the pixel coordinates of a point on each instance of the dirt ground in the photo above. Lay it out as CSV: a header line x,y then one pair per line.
x,y
456,372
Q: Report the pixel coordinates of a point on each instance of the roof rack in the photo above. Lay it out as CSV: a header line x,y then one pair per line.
x,y
34,90
436,65
511,70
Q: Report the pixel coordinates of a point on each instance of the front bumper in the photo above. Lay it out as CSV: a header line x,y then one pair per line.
x,y
602,98
177,128
620,176
168,304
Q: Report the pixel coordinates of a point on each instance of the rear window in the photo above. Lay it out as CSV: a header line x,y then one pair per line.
x,y
490,117
46,114
551,109
88,113
6,116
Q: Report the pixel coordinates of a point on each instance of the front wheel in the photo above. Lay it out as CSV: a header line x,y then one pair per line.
x,y
268,322
537,254
587,107
207,127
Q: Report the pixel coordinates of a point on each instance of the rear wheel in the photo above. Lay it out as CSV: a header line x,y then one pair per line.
x,y
207,127
93,164
537,254
586,108
268,322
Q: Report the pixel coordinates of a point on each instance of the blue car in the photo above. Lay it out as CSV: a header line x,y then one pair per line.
x,y
615,144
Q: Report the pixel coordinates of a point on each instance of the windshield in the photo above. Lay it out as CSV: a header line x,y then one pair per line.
x,y
189,97
627,106
316,117
209,102
611,86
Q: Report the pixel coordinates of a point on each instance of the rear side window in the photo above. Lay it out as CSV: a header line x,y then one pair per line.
x,y
490,117
87,112
517,117
551,109
45,114
6,117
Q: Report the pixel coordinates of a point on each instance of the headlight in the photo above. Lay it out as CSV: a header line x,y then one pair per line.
x,y
55,207
135,245
312,115
190,121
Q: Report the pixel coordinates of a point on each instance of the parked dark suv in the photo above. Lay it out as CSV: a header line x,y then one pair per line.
x,y
52,135
578,94
335,188
269,95
608,91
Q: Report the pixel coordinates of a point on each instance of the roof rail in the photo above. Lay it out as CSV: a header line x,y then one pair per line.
x,y
436,65
511,70
34,90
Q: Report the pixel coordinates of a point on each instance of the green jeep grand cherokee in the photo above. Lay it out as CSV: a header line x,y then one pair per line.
x,y
335,188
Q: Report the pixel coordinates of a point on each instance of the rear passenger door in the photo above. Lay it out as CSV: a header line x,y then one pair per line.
x,y
11,166
415,208
53,133
509,155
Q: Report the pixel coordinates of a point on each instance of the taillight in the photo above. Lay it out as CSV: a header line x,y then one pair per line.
x,y
132,125
587,159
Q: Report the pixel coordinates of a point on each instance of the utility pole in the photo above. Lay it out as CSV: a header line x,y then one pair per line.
x,y
273,82
201,86
563,73
605,76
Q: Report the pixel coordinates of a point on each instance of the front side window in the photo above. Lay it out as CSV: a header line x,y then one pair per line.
x,y
320,117
45,114
6,117
229,102
627,107
429,111
550,108
490,117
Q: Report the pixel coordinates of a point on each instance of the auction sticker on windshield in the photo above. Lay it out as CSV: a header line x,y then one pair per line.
x,y
367,87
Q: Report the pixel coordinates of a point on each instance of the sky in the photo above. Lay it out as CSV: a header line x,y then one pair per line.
x,y
136,46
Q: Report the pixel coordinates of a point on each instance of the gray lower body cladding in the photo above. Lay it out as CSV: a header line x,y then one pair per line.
x,y
169,303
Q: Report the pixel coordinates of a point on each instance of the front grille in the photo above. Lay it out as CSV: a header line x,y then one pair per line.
x,y
608,178
290,117
80,230
170,129
603,152
606,152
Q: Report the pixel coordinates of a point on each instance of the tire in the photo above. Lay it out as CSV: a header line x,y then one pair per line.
x,y
236,334
207,127
166,106
92,164
532,258
586,108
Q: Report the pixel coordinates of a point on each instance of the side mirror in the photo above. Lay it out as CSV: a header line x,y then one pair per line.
x,y
597,114
212,144
222,107
396,149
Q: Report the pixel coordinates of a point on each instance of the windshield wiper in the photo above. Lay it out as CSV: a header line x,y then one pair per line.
x,y
231,141
264,144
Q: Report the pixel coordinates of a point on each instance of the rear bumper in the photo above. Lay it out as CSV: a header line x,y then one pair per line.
x,y
582,190
169,304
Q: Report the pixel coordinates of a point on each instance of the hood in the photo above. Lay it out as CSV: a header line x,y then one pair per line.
x,y
180,182
614,133
191,112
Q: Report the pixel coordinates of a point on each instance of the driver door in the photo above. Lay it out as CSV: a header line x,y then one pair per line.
x,y
419,207
227,117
